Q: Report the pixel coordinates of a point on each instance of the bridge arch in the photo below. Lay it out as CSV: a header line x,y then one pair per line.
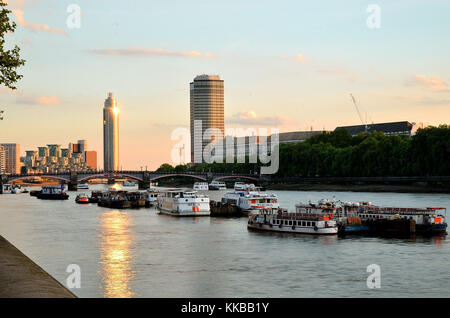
x,y
237,177
178,175
108,175
45,176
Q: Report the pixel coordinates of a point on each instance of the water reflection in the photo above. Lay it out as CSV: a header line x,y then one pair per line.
x,y
117,259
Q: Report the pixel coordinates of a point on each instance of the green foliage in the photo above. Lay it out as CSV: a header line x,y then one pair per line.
x,y
10,60
338,154
165,167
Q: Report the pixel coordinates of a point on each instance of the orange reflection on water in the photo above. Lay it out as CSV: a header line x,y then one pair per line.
x,y
116,256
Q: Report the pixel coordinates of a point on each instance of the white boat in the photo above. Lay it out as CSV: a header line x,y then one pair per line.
x,y
217,185
128,183
241,186
200,186
83,186
180,202
7,188
251,200
151,197
281,220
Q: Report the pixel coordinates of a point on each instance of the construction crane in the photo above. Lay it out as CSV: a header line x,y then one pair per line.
x,y
364,122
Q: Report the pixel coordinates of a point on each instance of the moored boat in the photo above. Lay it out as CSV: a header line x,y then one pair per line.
x,y
241,186
280,220
151,198
251,200
53,193
217,185
127,183
179,202
200,186
83,186
95,196
82,198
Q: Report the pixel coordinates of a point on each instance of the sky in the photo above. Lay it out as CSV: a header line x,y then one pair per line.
x,y
285,64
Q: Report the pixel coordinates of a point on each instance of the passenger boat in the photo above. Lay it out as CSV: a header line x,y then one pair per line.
x,y
151,198
95,196
280,220
53,193
83,186
82,198
251,200
200,186
241,186
128,183
180,202
217,185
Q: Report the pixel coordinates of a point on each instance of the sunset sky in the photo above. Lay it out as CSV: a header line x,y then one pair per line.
x,y
286,64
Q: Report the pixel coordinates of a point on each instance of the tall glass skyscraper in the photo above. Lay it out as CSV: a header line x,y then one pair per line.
x,y
111,134
207,105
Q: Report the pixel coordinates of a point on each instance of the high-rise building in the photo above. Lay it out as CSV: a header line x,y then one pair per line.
x,y
91,159
43,152
12,158
2,160
82,146
207,106
54,150
111,134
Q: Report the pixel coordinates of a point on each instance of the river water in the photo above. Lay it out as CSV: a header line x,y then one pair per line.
x,y
140,253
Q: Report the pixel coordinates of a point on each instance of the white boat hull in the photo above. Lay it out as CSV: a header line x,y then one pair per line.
x,y
291,229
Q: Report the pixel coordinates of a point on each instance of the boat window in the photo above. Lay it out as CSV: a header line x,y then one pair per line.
x,y
313,223
308,223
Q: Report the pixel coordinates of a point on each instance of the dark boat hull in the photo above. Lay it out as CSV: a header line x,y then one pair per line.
x,y
52,196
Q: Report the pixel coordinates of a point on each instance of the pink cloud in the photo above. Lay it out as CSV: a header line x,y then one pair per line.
x,y
250,118
17,8
39,100
433,83
146,52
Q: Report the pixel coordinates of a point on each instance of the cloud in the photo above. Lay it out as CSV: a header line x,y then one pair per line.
x,y
146,52
18,7
339,71
39,100
250,118
299,58
433,83
432,101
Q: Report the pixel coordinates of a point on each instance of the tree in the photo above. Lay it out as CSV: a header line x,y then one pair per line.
x,y
165,167
10,60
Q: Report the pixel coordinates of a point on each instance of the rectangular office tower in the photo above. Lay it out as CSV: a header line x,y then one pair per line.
x,y
207,106
10,158
111,134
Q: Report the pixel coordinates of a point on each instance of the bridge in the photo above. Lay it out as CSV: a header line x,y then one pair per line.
x,y
144,178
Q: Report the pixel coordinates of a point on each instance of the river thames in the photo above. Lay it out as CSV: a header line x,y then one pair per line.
x,y
140,253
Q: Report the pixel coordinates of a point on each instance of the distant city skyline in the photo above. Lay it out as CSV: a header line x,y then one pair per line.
x,y
286,64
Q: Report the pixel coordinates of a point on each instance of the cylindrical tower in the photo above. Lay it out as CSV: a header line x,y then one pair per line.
x,y
111,134
207,105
